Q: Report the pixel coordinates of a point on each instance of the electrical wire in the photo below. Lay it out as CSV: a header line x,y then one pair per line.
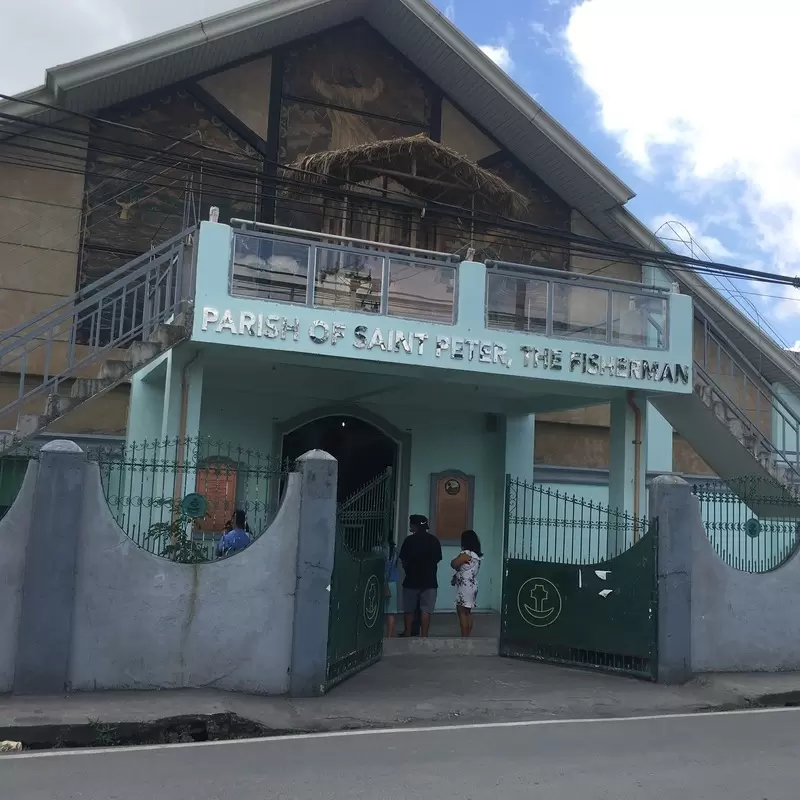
x,y
591,248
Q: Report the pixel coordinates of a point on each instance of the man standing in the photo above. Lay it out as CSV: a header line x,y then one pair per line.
x,y
420,556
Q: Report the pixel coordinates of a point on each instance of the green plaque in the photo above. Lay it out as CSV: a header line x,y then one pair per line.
x,y
194,505
753,528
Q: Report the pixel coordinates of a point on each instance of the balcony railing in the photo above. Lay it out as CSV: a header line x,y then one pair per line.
x,y
335,273
324,270
567,305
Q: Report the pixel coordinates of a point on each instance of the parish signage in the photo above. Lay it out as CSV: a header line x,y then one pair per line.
x,y
411,343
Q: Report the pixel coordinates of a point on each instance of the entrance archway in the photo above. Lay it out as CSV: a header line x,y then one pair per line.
x,y
362,450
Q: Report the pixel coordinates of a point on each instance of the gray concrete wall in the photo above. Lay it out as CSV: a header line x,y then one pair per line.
x,y
742,622
14,533
711,616
144,622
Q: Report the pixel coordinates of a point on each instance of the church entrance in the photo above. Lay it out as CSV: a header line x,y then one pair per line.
x,y
364,525
362,450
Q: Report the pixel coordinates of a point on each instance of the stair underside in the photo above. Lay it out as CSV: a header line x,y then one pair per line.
x,y
738,459
112,373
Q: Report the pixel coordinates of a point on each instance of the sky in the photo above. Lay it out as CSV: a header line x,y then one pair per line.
x,y
690,102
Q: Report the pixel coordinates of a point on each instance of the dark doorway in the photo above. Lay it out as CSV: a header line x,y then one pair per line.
x,y
363,451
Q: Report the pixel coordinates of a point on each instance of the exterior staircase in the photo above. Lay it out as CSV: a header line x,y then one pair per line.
x,y
739,426
88,343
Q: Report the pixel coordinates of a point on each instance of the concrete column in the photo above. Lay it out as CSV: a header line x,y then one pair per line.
x,y
673,505
315,550
659,442
44,637
183,397
623,482
520,431
471,294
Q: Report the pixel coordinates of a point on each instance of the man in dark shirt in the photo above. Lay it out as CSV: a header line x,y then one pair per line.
x,y
420,556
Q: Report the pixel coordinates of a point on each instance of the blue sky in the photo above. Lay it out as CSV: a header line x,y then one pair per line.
x,y
655,90
691,102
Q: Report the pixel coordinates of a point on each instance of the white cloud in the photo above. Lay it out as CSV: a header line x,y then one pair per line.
x,y
38,34
701,91
500,54
450,11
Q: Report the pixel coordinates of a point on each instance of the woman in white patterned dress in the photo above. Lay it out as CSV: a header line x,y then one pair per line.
x,y
467,564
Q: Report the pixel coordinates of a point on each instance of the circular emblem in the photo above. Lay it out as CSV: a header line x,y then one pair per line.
x,y
753,528
194,506
539,602
452,486
371,602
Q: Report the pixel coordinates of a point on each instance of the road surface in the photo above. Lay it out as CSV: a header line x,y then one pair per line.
x,y
736,756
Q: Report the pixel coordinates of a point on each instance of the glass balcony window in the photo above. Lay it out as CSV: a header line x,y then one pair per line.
x,y
516,303
270,269
348,279
422,291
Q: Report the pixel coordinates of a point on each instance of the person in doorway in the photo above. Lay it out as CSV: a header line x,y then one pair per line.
x,y
420,556
235,539
467,564
391,605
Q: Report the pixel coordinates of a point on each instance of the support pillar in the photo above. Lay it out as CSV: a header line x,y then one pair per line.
x,y
44,635
520,432
315,550
677,512
627,470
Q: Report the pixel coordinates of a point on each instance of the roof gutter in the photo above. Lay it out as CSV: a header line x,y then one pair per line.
x,y
620,192
706,294
68,76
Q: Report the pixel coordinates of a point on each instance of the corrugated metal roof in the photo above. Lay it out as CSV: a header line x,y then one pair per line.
x,y
419,31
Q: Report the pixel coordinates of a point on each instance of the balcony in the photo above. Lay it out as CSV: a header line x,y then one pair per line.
x,y
298,290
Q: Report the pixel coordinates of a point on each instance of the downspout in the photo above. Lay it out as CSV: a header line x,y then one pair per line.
x,y
637,460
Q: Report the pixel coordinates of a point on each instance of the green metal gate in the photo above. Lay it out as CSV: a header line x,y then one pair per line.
x,y
579,583
355,628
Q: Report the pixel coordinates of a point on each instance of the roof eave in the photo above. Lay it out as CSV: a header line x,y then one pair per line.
x,y
196,34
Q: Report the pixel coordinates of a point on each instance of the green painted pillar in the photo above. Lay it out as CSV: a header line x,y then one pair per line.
x,y
519,446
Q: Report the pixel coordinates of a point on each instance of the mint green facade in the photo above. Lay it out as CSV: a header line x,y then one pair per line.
x,y
255,370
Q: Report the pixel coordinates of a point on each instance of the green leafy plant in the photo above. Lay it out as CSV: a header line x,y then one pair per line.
x,y
175,540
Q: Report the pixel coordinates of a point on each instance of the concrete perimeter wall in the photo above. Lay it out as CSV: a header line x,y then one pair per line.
x,y
82,607
143,622
713,617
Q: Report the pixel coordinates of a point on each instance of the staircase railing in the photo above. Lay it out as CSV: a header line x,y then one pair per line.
x,y
739,383
122,307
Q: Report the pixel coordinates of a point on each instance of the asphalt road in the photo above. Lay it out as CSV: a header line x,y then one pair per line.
x,y
741,756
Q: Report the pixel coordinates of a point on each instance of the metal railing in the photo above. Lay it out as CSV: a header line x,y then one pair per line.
x,y
543,524
330,271
122,307
146,484
573,306
762,412
740,537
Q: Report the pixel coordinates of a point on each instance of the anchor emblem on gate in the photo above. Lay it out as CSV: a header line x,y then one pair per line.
x,y
539,602
371,602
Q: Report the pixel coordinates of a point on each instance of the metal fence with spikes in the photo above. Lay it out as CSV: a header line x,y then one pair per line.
x,y
548,525
742,538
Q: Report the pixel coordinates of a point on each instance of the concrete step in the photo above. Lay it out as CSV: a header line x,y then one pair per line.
x,y
114,370
57,405
168,334
441,646
85,388
139,353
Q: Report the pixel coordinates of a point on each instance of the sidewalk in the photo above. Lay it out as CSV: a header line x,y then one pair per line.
x,y
420,690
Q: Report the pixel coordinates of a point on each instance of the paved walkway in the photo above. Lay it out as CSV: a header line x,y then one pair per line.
x,y
419,690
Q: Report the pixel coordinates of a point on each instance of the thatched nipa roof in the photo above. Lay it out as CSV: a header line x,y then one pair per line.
x,y
426,168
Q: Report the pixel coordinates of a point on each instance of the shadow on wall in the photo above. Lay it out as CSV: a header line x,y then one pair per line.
x,y
143,622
